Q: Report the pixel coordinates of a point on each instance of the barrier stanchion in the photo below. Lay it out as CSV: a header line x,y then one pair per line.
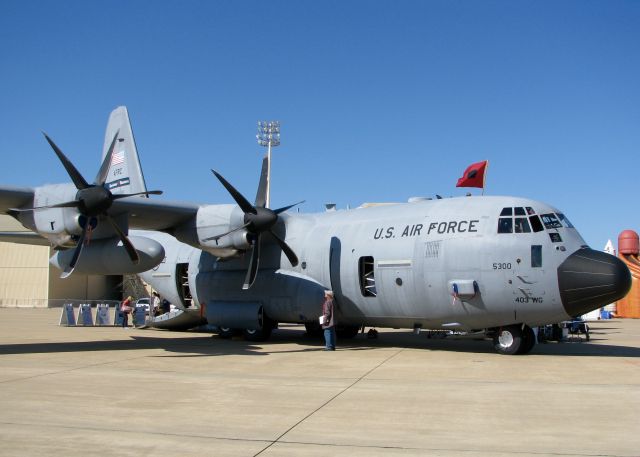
x,y
139,316
102,315
85,317
68,316
118,316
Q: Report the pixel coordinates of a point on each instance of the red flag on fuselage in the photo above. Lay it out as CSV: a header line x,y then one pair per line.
x,y
473,176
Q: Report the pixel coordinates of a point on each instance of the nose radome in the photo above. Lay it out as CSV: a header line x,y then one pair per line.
x,y
589,279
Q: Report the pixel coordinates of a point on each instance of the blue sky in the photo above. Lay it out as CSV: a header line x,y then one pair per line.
x,y
379,101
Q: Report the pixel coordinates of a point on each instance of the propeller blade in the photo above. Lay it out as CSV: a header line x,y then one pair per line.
x,y
263,186
293,258
101,177
72,204
254,262
133,254
217,237
148,192
76,254
237,196
73,173
286,208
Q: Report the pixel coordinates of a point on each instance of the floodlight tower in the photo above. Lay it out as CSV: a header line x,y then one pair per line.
x,y
269,136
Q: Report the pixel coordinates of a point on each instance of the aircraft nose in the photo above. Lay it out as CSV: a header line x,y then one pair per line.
x,y
589,279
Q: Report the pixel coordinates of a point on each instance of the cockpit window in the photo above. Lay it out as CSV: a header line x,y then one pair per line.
x,y
536,224
551,221
555,237
505,225
530,211
506,212
519,211
522,225
564,220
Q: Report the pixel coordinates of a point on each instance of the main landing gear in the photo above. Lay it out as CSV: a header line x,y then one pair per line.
x,y
514,339
314,329
250,334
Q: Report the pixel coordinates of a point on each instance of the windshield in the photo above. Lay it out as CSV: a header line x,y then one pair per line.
x,y
550,221
564,220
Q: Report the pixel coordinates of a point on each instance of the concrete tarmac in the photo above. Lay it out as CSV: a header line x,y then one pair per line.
x,y
112,392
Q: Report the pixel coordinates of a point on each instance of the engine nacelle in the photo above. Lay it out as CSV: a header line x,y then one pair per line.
x,y
214,220
58,225
109,257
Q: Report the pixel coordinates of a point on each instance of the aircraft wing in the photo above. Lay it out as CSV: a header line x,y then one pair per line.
x,y
15,197
154,214
144,213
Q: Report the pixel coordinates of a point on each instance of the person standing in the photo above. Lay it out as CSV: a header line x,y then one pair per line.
x,y
156,304
125,307
328,321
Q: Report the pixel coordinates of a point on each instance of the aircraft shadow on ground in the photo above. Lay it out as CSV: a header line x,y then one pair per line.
x,y
199,346
210,346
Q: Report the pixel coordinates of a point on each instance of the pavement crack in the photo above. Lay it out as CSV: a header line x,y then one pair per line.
x,y
329,401
68,370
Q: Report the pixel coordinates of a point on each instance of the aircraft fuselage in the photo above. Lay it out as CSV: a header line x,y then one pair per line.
x,y
460,263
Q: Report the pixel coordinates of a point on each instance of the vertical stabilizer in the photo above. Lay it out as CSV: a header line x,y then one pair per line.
x,y
125,173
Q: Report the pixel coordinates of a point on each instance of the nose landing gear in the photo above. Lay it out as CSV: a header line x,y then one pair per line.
x,y
514,339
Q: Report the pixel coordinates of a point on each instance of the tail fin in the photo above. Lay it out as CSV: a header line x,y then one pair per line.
x,y
125,173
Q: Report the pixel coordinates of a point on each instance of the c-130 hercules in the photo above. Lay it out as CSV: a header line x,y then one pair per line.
x,y
498,264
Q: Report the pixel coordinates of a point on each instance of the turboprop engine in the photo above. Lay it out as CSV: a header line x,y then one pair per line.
x,y
58,225
213,221
108,256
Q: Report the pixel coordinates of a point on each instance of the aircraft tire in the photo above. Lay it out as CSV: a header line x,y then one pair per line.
x,y
262,334
508,340
347,331
226,332
314,329
528,340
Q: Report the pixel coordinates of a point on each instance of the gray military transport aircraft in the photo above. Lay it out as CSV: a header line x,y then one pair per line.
x,y
496,264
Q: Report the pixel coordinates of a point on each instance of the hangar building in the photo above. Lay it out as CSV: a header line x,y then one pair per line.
x,y
27,279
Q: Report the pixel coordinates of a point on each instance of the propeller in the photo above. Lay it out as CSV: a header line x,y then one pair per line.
x,y
258,219
92,200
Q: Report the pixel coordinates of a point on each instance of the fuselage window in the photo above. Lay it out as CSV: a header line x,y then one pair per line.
x,y
505,225
551,221
367,277
555,237
506,212
536,256
518,211
522,225
564,220
536,224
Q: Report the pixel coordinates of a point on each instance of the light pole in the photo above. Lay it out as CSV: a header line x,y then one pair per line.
x,y
269,136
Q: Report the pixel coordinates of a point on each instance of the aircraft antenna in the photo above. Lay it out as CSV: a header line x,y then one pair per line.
x,y
268,136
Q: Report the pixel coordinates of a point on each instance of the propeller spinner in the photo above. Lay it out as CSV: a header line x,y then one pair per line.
x,y
258,219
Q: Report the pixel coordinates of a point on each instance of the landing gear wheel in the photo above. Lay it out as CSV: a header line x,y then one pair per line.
x,y
262,334
226,332
314,329
508,340
347,331
528,340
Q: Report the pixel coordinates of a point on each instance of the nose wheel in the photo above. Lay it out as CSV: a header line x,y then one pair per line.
x,y
514,339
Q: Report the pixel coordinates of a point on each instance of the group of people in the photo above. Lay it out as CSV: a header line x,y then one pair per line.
x,y
327,319
158,306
